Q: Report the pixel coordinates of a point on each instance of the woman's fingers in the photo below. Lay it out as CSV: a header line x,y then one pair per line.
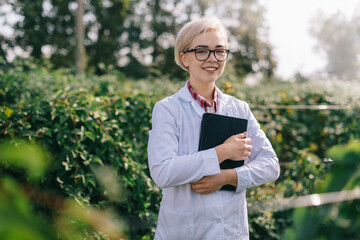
x,y
240,135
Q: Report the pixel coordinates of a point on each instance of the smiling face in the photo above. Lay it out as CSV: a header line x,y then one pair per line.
x,y
205,72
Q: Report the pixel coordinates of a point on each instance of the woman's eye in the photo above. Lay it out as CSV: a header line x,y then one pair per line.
x,y
201,51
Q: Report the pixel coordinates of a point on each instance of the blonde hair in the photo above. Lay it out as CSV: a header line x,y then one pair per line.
x,y
192,29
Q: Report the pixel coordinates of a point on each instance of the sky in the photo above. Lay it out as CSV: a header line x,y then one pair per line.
x,y
289,22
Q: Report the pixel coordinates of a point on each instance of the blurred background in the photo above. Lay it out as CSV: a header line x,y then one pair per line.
x,y
278,38
305,34
79,79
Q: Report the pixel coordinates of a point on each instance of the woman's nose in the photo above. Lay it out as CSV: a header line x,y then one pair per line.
x,y
212,57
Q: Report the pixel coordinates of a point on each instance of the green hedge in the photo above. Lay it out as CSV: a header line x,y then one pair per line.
x,y
83,130
341,219
88,124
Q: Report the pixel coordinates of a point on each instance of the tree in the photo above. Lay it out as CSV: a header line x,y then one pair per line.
x,y
339,38
104,30
151,33
250,47
48,27
80,50
137,36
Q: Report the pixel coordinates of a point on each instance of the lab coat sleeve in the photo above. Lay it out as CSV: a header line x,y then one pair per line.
x,y
263,166
167,168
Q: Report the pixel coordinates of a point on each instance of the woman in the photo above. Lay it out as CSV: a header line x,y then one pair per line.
x,y
192,206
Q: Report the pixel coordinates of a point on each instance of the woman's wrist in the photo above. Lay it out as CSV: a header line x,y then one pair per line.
x,y
222,152
230,177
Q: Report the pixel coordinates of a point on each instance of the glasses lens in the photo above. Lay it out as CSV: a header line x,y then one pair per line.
x,y
202,54
221,55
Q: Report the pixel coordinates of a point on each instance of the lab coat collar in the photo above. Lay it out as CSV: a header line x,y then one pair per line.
x,y
185,94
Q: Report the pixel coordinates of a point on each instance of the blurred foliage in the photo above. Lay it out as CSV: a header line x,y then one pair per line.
x,y
47,30
94,132
84,129
341,51
23,204
254,54
337,220
136,36
300,137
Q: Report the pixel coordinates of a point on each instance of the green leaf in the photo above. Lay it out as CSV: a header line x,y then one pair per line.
x,y
90,135
26,154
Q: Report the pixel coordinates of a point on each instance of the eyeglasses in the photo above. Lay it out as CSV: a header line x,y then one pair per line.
x,y
203,54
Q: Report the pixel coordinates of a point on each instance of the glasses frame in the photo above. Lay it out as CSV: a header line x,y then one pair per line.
x,y
210,51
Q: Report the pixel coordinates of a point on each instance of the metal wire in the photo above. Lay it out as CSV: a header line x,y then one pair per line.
x,y
305,107
304,201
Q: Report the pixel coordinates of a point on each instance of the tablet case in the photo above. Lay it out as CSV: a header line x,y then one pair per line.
x,y
215,129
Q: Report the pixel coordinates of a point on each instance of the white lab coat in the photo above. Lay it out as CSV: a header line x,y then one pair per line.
x,y
175,162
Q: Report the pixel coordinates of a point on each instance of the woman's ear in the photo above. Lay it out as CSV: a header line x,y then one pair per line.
x,y
184,59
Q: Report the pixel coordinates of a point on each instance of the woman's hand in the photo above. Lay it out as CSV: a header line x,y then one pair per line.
x,y
236,147
209,184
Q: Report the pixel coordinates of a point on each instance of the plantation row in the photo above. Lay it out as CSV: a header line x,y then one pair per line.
x,y
94,131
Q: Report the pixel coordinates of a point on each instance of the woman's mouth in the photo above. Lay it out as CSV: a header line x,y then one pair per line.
x,y
210,69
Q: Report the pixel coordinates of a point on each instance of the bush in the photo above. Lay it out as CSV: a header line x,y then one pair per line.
x,y
300,137
95,131
84,130
22,201
339,220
